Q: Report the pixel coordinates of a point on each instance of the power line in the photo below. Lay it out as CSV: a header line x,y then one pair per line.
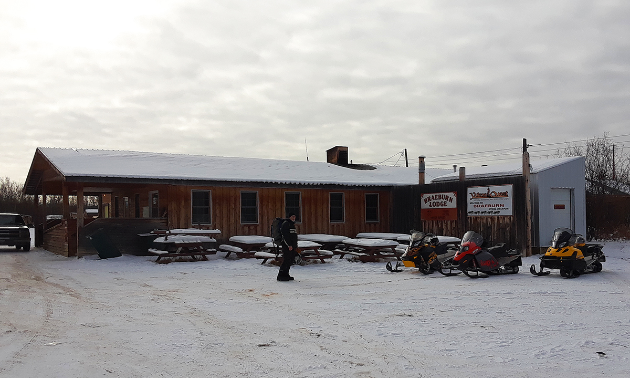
x,y
503,154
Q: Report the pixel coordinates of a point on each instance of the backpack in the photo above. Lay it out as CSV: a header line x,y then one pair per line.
x,y
276,227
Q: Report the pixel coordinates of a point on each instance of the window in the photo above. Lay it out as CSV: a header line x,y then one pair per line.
x,y
292,204
201,207
336,207
136,204
249,207
371,207
154,203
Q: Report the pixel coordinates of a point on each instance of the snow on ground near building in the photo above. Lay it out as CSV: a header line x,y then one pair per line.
x,y
131,317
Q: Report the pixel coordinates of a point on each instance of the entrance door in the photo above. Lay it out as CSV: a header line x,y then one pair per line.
x,y
562,208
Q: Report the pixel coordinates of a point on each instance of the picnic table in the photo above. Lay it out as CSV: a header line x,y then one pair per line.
x,y
371,249
183,246
183,231
328,242
383,235
307,250
245,245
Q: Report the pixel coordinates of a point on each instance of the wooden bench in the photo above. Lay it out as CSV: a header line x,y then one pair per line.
x,y
265,256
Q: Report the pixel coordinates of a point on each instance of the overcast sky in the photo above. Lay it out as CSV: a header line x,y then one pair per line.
x,y
276,78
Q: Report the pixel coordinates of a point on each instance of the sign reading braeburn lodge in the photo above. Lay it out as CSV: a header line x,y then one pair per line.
x,y
438,206
489,200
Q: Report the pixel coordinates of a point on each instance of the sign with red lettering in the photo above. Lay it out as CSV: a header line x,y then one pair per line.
x,y
490,200
438,206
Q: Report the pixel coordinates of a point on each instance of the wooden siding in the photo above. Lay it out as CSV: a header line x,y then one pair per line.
x,y
176,201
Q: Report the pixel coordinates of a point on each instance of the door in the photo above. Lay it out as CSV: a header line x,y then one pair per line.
x,y
562,208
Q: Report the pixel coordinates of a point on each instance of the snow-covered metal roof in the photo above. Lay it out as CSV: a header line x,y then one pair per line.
x,y
507,169
147,165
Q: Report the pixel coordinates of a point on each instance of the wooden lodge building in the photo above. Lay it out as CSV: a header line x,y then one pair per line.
x,y
139,191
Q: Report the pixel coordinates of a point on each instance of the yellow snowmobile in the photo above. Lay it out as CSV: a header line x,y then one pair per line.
x,y
426,252
570,253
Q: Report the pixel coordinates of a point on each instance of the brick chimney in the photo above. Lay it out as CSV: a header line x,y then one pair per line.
x,y
337,155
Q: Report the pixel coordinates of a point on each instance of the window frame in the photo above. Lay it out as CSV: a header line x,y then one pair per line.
x,y
152,210
256,207
192,206
342,207
376,208
298,210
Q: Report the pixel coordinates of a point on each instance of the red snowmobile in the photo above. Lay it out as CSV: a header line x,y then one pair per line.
x,y
478,262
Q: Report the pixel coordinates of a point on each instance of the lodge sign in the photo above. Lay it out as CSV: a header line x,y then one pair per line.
x,y
438,206
490,200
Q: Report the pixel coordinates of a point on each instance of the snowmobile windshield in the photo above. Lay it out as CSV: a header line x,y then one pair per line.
x,y
472,236
576,239
561,237
417,239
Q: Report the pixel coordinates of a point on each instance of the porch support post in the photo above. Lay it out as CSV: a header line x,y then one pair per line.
x,y
80,216
100,206
43,210
37,215
65,202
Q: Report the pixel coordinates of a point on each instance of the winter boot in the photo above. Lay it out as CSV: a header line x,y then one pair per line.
x,y
284,276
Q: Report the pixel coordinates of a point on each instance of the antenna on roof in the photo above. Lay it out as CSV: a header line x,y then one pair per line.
x,y
306,145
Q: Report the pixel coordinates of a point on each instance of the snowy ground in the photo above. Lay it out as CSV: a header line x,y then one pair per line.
x,y
130,317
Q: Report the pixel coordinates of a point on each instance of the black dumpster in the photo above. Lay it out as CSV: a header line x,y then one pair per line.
x,y
104,246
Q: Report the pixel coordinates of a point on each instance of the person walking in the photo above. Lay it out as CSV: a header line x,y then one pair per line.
x,y
289,247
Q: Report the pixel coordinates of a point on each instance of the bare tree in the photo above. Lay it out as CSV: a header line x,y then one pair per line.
x,y
607,186
607,165
13,200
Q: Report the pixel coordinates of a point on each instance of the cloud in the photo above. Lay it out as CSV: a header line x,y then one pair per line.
x,y
239,78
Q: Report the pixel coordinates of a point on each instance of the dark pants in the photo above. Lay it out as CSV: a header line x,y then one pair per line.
x,y
288,257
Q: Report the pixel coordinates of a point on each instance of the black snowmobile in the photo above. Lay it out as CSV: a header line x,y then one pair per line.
x,y
570,253
478,262
425,252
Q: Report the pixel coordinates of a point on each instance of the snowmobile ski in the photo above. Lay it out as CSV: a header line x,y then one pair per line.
x,y
393,269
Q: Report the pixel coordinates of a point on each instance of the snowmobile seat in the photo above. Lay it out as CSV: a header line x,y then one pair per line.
x,y
498,250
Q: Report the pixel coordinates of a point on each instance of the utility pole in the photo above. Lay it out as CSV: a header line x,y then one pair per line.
x,y
528,201
406,160
614,176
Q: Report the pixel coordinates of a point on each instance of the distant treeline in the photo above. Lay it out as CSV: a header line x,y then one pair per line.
x,y
13,200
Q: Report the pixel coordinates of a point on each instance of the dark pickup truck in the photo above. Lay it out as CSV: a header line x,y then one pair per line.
x,y
14,231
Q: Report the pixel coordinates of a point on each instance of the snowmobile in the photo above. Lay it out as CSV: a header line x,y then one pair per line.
x,y
425,252
570,253
477,262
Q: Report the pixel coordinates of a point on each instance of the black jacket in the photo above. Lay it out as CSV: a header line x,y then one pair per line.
x,y
289,234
